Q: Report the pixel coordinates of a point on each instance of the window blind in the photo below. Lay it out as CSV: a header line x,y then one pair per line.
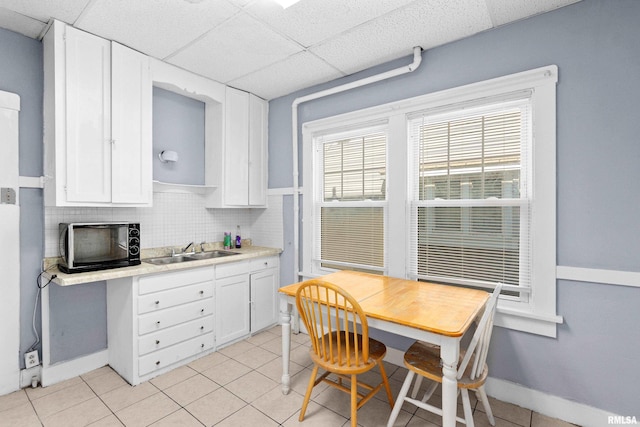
x,y
350,203
470,202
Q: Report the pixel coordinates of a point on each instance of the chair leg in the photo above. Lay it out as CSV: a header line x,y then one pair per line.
x,y
466,405
307,395
385,380
354,401
416,387
400,400
429,391
482,397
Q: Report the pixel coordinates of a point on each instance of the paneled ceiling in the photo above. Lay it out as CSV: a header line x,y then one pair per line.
x,y
258,46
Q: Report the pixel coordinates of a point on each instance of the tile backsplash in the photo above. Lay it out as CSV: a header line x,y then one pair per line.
x,y
176,219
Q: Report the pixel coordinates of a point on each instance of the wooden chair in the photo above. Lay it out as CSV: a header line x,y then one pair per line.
x,y
331,317
424,359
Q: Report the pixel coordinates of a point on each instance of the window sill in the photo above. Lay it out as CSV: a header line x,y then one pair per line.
x,y
539,324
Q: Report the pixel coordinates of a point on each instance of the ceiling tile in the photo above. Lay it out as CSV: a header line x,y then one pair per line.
x,y
236,48
18,23
294,73
157,28
42,10
309,21
425,23
505,11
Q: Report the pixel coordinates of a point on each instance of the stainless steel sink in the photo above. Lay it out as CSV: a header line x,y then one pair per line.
x,y
167,260
185,258
211,254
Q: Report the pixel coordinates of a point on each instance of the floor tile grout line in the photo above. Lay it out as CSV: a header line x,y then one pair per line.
x,y
475,407
34,411
41,418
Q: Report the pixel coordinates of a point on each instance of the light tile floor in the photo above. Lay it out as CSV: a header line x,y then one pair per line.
x,y
236,386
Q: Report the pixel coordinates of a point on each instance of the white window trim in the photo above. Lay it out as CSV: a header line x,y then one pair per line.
x,y
315,194
538,315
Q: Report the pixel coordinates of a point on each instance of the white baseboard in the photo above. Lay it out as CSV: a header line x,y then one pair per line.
x,y
545,404
26,376
66,370
394,356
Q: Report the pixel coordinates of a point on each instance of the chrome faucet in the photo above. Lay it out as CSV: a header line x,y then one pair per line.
x,y
183,251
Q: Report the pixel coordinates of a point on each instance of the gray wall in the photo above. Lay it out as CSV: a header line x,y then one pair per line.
x,y
595,358
178,125
21,73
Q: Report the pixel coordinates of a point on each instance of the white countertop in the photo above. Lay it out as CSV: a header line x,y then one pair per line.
x,y
63,279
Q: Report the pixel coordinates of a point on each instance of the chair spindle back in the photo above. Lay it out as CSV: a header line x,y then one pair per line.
x,y
479,345
331,317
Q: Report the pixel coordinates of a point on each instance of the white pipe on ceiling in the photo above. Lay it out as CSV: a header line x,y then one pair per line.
x,y
417,59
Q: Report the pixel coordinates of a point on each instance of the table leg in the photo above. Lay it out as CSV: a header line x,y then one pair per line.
x,y
285,316
449,353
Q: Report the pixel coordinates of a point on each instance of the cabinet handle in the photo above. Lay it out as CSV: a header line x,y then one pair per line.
x,y
202,310
266,264
202,346
202,328
201,292
158,322
157,302
157,363
157,342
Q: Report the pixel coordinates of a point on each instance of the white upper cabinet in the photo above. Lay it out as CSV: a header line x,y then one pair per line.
x,y
258,116
241,157
97,115
131,124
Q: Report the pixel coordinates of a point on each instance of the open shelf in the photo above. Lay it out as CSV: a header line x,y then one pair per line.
x,y
168,187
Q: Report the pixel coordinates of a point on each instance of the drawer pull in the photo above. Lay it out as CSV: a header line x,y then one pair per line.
x,y
157,302
201,292
202,328
266,264
157,363
158,322
201,345
202,310
157,342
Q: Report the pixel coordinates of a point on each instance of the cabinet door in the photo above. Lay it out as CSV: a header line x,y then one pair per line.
x,y
257,151
88,117
131,103
264,290
232,308
236,148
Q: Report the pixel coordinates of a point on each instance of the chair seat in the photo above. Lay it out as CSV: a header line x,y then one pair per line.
x,y
424,359
377,351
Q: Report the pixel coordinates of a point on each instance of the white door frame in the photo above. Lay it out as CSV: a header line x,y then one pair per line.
x,y
9,246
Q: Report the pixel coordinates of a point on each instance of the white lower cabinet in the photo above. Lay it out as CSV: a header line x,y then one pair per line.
x,y
246,298
161,321
157,322
232,302
265,281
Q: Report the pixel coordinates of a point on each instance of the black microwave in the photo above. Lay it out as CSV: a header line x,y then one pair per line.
x,y
92,246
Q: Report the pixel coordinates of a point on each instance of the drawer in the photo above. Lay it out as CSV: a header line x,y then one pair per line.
x,y
162,319
263,263
170,336
164,281
170,355
232,269
173,297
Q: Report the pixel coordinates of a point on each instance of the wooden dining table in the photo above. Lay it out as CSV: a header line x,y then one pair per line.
x,y
434,313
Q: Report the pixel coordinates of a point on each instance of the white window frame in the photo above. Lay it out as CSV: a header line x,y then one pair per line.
x,y
537,314
317,194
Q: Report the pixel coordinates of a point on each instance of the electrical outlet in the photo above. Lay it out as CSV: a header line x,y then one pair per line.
x,y
31,359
